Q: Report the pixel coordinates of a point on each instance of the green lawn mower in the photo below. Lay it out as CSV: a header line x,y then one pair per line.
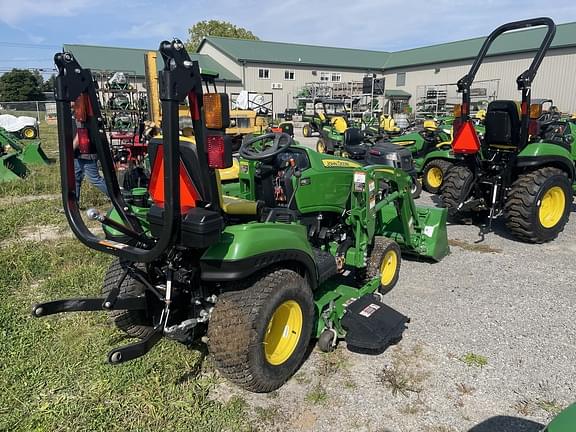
x,y
518,170
326,113
305,252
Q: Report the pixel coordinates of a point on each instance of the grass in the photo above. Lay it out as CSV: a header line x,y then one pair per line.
x,y
476,360
407,372
317,395
53,373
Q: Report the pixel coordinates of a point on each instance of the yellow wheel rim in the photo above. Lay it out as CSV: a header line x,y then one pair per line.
x,y
283,332
305,131
388,268
434,177
28,133
320,147
552,207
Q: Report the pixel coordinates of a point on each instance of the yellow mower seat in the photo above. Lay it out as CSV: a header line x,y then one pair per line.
x,y
234,206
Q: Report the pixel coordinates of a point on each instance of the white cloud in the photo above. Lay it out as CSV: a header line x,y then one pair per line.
x,y
14,12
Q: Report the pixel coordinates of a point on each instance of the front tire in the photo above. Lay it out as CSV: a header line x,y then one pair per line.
x,y
383,262
258,335
538,205
321,146
434,174
306,131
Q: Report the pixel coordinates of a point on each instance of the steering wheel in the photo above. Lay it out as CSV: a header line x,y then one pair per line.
x,y
280,142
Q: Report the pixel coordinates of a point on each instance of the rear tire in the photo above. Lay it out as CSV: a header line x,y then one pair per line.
x,y
133,323
434,174
258,335
383,261
457,180
538,205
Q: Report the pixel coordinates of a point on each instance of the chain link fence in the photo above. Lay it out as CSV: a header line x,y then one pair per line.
x,y
43,111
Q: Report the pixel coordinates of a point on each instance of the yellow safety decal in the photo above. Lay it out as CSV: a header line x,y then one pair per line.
x,y
404,142
337,163
112,244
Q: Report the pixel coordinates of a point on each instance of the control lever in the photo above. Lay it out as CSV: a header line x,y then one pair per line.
x,y
94,214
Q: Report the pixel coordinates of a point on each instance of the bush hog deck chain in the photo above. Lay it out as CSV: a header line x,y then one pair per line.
x,y
303,245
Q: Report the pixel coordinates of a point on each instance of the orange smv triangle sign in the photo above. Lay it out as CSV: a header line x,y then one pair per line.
x,y
466,140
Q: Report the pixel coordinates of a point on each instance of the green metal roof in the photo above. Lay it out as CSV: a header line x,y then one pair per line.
x,y
519,41
296,54
132,60
397,94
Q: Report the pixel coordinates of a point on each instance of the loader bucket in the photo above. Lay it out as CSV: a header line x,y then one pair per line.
x,y
32,154
427,238
433,240
12,168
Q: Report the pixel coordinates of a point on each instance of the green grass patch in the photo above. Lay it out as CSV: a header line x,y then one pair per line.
x,y
17,219
471,359
53,373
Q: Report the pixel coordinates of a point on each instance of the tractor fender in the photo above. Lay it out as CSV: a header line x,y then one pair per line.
x,y
248,248
435,154
546,154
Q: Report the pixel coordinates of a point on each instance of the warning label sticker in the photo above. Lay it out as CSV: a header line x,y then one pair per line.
x,y
369,310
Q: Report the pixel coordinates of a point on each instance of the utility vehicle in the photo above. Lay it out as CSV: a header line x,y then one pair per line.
x,y
516,171
305,253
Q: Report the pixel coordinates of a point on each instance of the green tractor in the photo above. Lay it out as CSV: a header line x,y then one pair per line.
x,y
518,170
326,112
306,252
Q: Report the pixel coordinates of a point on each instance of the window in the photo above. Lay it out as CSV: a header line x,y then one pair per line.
x,y
324,76
263,73
336,77
400,79
288,75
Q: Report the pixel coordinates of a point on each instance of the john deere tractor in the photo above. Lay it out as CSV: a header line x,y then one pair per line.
x,y
306,252
518,170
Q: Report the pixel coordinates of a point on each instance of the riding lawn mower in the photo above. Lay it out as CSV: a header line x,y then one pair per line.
x,y
307,251
522,169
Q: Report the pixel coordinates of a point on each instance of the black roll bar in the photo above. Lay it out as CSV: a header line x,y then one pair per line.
x,y
179,78
524,80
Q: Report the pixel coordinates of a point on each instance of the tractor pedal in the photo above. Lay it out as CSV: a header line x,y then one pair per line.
x,y
135,350
326,265
371,326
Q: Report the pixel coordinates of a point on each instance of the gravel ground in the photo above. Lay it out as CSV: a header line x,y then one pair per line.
x,y
491,347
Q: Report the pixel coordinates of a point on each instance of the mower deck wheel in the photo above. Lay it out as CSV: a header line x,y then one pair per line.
x,y
538,205
433,175
383,261
326,341
260,329
133,323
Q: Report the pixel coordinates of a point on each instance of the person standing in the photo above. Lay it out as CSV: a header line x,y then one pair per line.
x,y
86,160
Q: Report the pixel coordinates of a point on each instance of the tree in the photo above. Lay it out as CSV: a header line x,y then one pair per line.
x,y
215,28
20,85
48,85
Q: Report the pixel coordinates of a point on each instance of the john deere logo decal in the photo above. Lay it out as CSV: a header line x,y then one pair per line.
x,y
337,163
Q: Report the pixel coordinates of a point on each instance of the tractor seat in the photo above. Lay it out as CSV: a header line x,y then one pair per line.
x,y
502,124
354,143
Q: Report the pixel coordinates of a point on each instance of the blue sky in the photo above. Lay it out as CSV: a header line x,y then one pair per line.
x,y
32,30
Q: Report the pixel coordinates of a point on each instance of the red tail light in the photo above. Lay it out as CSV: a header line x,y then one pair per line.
x,y
188,193
466,140
216,149
83,140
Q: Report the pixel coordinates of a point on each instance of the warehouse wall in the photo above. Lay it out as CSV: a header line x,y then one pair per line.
x,y
556,78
